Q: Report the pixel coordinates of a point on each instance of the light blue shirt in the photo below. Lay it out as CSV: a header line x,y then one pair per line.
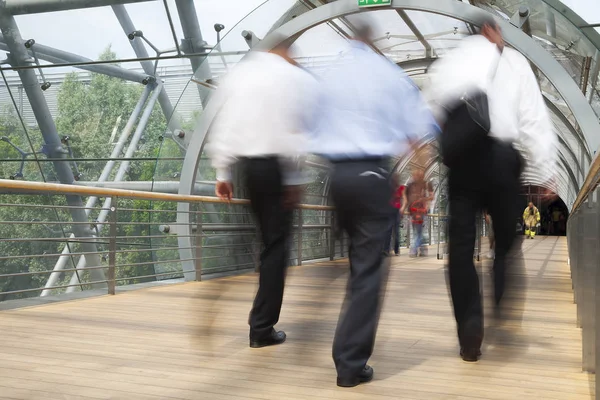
x,y
368,108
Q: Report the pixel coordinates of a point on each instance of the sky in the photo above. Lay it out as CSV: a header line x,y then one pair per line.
x,y
89,31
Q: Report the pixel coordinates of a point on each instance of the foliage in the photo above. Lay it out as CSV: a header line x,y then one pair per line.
x,y
89,111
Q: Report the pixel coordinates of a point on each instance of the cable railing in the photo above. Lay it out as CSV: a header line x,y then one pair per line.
x,y
42,252
583,235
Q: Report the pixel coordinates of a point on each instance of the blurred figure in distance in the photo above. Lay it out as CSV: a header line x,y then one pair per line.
x,y
417,196
370,112
397,217
267,104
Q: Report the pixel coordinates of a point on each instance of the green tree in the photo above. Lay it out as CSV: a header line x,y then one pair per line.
x,y
88,112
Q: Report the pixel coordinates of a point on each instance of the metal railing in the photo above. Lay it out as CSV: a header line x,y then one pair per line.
x,y
583,235
41,254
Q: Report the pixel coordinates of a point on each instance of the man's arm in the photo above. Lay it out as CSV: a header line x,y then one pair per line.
x,y
222,143
536,132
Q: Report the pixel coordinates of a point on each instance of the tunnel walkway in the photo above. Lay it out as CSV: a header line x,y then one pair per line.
x,y
189,341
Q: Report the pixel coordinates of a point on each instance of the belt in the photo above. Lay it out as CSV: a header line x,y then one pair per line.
x,y
365,159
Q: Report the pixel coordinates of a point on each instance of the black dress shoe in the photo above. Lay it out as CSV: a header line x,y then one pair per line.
x,y
276,337
471,338
365,376
470,354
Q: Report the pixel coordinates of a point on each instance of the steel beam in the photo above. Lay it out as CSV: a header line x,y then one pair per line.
x,y
591,34
59,57
64,258
19,56
140,50
411,25
193,43
19,7
594,75
527,46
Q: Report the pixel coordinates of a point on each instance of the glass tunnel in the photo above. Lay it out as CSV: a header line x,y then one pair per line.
x,y
126,104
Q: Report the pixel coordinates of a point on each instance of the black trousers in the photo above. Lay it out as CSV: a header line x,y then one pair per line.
x,y
488,179
395,232
361,193
266,192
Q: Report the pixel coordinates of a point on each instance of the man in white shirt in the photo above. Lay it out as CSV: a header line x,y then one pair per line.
x,y
267,103
488,177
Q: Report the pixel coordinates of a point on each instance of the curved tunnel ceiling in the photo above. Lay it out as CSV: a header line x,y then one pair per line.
x,y
573,116
586,130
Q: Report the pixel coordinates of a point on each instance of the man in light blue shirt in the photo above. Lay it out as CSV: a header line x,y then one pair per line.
x,y
370,111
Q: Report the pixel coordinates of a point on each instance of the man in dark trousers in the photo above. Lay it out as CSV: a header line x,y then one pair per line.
x,y
396,218
365,122
489,176
267,103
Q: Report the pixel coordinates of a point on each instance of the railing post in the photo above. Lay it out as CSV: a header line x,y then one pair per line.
x,y
408,231
332,238
439,238
198,245
430,231
300,223
112,246
590,264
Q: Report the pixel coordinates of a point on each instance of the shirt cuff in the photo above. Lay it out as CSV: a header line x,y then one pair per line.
x,y
224,175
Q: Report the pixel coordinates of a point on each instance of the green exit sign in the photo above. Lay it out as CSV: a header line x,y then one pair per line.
x,y
374,3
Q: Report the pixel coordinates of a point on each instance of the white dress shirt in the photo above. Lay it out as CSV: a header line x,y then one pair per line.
x,y
516,106
266,110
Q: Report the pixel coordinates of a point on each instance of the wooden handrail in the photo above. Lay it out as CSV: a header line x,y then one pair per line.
x,y
590,183
57,188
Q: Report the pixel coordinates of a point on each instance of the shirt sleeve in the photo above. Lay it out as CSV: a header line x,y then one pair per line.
x,y
413,115
306,97
537,136
221,141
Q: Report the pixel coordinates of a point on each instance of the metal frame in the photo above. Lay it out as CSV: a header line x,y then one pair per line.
x,y
591,34
527,46
20,56
19,7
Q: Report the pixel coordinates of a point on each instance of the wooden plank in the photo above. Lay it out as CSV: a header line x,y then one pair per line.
x,y
189,341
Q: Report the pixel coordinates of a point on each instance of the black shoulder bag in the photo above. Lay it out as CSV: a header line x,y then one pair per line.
x,y
467,125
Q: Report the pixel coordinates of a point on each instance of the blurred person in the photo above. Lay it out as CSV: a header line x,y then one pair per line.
x,y
490,230
531,218
417,196
267,103
485,167
396,218
364,123
556,221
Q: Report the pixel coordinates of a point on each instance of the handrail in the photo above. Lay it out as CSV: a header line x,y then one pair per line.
x,y
590,183
57,188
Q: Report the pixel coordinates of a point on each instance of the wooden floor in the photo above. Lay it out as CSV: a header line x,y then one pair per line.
x,y
189,341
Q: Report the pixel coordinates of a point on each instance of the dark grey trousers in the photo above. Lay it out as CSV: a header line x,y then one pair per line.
x,y
361,193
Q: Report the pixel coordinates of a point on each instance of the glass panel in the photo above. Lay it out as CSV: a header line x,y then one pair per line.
x,y
441,32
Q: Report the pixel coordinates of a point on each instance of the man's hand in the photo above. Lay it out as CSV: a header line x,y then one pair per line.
x,y
224,190
292,196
